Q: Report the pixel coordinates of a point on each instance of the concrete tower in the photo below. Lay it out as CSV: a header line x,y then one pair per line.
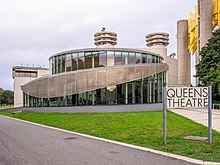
x,y
205,29
158,42
184,76
105,38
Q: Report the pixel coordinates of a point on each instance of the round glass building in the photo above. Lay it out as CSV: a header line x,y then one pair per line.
x,y
104,75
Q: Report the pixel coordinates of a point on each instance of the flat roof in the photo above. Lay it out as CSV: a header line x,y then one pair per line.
x,y
29,68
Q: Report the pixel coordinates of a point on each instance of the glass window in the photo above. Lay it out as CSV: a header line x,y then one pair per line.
x,y
121,94
63,63
102,58
81,60
153,59
131,58
55,65
68,63
149,58
138,58
96,60
144,58
110,57
124,58
137,91
82,100
74,61
88,60
156,59
25,74
118,58
60,64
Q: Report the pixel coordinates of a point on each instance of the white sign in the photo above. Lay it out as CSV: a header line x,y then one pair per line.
x,y
187,97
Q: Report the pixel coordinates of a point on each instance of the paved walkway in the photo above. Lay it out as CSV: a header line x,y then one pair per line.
x,y
201,116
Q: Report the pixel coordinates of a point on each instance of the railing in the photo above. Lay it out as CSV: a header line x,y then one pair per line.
x,y
216,106
6,106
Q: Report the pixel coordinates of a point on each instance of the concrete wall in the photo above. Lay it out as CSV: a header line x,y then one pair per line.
x,y
19,81
183,55
18,94
172,73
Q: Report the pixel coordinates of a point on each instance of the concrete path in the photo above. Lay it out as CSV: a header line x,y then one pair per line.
x,y
201,116
23,143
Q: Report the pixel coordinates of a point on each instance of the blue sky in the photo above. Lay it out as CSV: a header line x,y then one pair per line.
x,y
33,30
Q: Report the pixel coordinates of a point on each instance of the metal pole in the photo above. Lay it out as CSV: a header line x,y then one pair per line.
x,y
210,114
164,114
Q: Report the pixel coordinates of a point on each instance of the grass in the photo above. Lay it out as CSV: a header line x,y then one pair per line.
x,y
139,128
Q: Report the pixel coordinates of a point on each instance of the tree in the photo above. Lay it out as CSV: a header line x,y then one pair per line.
x,y
6,97
208,70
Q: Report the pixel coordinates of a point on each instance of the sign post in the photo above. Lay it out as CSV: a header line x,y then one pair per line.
x,y
210,115
188,97
164,113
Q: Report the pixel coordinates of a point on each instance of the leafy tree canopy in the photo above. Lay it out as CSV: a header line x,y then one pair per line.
x,y
208,70
6,97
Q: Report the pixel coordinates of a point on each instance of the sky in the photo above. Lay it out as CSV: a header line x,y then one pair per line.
x,y
33,30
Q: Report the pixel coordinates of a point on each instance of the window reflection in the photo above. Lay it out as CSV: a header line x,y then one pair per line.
x,y
93,59
74,61
117,58
110,57
68,63
153,59
131,58
62,69
138,58
88,60
81,60
149,58
144,58
102,58
124,58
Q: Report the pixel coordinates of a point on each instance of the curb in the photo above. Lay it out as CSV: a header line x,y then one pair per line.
x,y
190,160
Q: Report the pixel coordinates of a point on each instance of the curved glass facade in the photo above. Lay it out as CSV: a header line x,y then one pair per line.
x,y
102,58
135,91
145,90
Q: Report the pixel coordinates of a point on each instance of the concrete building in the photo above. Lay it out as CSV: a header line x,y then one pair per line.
x,y
23,75
157,43
104,75
193,34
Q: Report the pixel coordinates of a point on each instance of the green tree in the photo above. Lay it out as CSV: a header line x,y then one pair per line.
x,y
208,70
7,97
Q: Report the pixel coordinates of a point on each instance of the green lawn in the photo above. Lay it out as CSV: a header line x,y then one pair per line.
x,y
139,128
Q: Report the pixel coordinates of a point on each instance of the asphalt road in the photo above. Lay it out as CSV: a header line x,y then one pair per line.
x,y
27,144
